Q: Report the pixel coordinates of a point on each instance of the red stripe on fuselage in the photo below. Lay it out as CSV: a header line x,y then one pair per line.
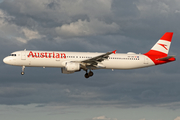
x,y
156,53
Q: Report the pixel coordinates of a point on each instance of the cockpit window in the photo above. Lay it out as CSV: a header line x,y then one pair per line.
x,y
13,54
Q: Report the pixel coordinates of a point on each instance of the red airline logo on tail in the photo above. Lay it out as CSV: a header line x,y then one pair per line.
x,y
163,45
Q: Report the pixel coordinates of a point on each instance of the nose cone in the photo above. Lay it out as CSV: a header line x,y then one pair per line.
x,y
5,60
9,60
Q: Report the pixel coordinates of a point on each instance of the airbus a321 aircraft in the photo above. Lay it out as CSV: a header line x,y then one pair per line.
x,y
71,62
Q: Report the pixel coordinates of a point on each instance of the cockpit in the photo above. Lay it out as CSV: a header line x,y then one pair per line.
x,y
13,54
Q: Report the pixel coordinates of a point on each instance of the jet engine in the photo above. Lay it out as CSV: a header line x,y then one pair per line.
x,y
64,71
70,67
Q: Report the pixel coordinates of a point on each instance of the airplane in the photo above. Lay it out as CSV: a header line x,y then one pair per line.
x,y
71,62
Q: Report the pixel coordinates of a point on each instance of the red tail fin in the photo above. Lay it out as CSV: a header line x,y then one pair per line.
x,y
161,48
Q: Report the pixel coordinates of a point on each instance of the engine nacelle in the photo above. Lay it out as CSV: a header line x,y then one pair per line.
x,y
71,66
64,71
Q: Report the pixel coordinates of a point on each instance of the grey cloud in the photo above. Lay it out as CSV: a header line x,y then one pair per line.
x,y
10,92
47,16
103,118
130,90
125,9
85,28
126,14
177,118
40,17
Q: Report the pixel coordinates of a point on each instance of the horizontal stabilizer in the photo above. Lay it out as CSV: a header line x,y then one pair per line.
x,y
167,58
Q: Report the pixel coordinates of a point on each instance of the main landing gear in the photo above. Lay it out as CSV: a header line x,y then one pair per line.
x,y
23,68
90,74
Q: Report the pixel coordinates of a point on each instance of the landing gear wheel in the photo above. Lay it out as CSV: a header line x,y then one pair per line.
x,y
22,73
86,75
23,68
91,73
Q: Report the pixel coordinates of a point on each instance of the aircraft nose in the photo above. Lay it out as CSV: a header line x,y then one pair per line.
x,y
5,60
9,60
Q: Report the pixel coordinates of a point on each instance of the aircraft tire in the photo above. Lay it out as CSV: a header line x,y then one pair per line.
x,y
86,75
22,73
91,74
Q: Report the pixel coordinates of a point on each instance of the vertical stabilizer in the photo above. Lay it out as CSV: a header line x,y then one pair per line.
x,y
159,52
161,48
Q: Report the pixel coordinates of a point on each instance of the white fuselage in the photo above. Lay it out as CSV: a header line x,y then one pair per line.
x,y
59,58
71,62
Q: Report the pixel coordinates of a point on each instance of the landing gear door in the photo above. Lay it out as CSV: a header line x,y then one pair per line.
x,y
146,60
23,55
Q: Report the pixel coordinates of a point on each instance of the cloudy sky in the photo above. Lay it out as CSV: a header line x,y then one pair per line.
x,y
94,26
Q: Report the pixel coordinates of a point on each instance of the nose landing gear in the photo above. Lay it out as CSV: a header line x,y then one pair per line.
x,y
90,74
23,68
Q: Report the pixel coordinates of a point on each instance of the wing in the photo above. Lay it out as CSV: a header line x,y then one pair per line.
x,y
95,60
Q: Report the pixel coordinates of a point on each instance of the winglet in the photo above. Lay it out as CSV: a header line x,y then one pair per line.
x,y
114,51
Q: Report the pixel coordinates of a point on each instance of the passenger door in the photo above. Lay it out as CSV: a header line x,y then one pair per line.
x,y
23,55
